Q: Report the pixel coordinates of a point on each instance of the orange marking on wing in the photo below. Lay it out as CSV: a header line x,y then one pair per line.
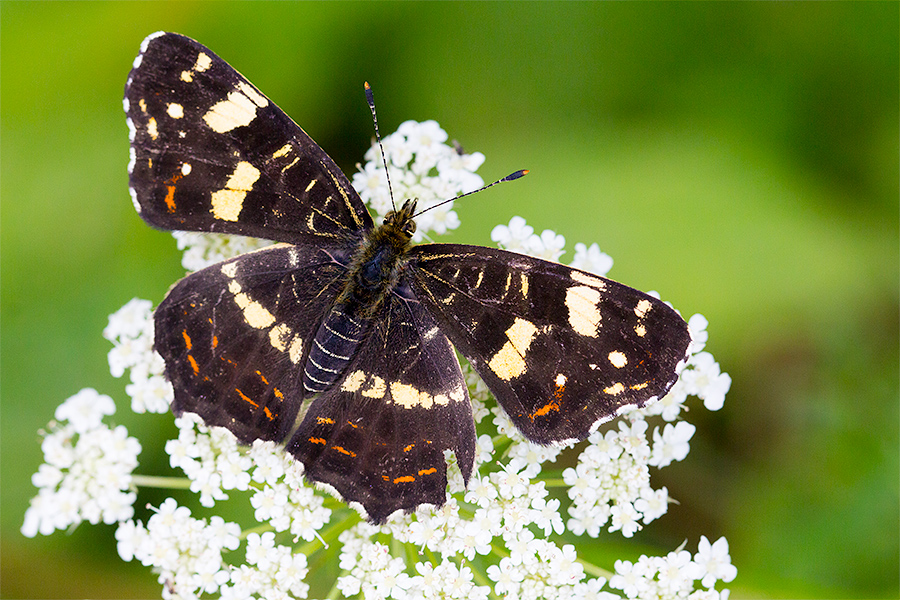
x,y
170,192
385,477
245,398
261,376
269,414
408,448
324,421
427,471
194,364
343,450
187,339
215,341
352,425
317,441
405,479
552,405
277,393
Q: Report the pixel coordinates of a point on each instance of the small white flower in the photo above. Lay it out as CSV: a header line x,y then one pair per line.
x,y
513,237
705,380
673,444
549,245
652,504
591,259
85,410
697,325
624,517
714,561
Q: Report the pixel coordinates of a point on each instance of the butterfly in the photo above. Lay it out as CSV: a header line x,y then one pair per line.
x,y
338,342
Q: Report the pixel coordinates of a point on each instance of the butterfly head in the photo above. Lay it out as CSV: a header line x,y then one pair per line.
x,y
401,220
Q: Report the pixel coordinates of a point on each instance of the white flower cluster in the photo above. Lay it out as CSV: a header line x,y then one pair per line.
x,y
214,462
674,576
204,249
423,167
492,539
130,330
187,553
87,471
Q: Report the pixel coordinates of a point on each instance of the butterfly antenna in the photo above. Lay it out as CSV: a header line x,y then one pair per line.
x,y
509,177
370,98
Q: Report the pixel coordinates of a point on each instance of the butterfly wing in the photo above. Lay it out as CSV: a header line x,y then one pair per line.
x,y
235,336
209,152
378,436
561,349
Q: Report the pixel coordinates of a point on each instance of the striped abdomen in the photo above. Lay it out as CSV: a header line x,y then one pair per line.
x,y
332,349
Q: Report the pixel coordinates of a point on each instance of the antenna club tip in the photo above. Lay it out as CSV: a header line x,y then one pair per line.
x,y
516,175
367,86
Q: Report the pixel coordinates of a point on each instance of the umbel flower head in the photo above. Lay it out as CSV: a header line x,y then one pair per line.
x,y
499,537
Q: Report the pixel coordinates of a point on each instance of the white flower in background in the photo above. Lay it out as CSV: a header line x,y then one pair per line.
x,y
591,259
498,537
424,168
88,470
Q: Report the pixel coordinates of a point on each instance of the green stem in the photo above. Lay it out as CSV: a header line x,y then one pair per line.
x,y
153,481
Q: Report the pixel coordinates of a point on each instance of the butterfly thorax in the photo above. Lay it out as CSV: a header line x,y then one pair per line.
x,y
372,274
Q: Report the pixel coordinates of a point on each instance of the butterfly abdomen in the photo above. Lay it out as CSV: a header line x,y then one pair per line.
x,y
335,343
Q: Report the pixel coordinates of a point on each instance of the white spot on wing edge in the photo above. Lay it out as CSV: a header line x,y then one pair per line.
x,y
150,38
134,200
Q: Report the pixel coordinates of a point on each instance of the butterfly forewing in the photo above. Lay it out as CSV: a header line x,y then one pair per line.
x,y
562,350
211,153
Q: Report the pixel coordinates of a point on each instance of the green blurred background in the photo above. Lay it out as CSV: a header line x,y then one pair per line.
x,y
741,159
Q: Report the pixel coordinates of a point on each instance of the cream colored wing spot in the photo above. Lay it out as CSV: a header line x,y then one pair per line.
x,y
587,279
295,351
524,284
279,337
283,151
584,316
617,359
376,388
642,308
176,111
509,362
186,169
615,389
228,202
238,109
311,184
353,381
152,131
255,313
408,396
640,330
203,62
560,380
230,270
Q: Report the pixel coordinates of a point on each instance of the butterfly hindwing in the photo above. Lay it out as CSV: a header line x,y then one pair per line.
x,y
561,349
235,336
211,153
378,436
